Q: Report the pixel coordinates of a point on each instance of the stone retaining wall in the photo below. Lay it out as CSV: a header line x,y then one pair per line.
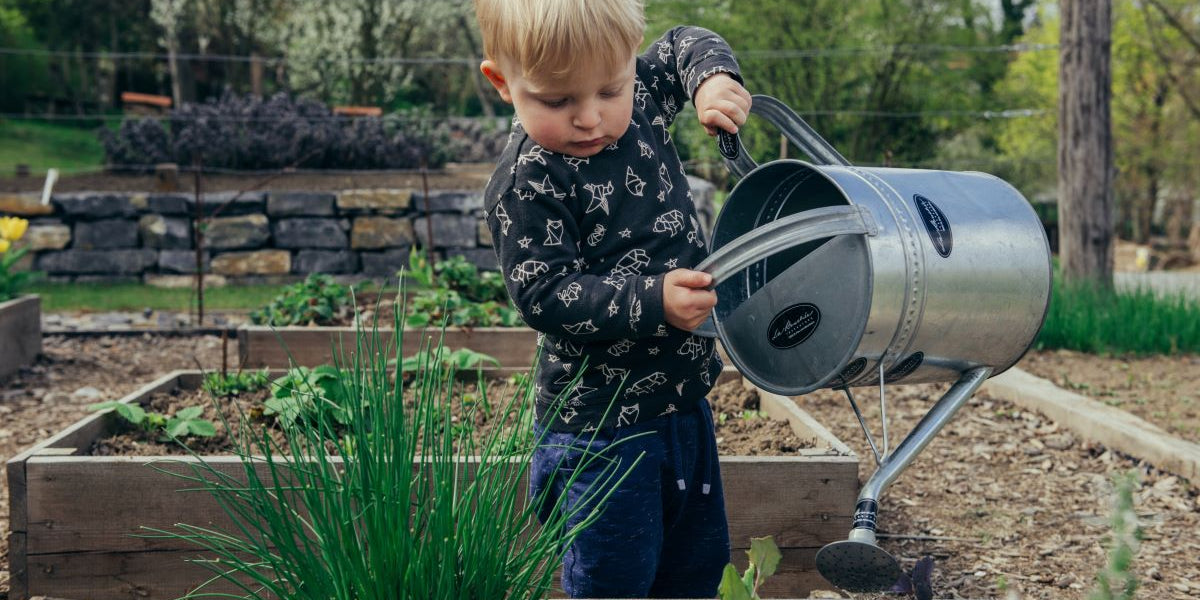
x,y
255,237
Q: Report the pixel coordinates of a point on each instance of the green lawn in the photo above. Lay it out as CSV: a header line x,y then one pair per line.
x,y
46,145
129,296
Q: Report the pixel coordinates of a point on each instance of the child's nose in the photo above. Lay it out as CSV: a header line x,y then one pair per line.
x,y
588,116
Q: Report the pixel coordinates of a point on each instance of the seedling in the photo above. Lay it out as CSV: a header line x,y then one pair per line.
x,y
1117,581
764,559
317,300
460,359
232,384
458,294
305,392
186,422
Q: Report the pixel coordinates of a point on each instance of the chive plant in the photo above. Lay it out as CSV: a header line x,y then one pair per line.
x,y
407,509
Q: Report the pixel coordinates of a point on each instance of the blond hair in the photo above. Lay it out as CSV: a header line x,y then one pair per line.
x,y
554,37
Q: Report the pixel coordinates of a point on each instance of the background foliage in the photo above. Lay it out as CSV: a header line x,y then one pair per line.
x,y
953,84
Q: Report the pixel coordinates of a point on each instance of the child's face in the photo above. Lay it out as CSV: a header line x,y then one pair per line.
x,y
577,115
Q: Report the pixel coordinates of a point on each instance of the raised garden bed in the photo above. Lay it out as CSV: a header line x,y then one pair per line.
x,y
279,347
20,332
74,518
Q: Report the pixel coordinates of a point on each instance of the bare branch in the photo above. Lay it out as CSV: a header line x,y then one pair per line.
x,y
1176,24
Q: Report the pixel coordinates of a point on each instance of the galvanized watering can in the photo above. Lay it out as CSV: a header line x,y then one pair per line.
x,y
833,276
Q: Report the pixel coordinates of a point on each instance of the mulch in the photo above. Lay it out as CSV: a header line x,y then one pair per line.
x,y
1004,500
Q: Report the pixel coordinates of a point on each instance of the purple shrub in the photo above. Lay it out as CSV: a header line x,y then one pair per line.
x,y
247,133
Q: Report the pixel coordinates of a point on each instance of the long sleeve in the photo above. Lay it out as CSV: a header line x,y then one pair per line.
x,y
679,61
535,227
585,244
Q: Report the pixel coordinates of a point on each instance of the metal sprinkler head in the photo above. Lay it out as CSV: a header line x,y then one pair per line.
x,y
857,566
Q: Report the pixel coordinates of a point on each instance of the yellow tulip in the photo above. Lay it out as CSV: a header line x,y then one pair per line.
x,y
12,228
4,245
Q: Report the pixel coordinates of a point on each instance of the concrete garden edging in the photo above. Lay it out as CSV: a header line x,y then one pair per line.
x,y
1097,422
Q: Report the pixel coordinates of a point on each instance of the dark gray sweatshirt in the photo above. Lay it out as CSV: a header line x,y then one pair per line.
x,y
584,244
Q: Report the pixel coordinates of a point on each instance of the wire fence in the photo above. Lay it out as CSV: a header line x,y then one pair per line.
x,y
778,54
109,118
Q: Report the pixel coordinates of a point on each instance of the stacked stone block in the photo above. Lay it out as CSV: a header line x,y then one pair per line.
x,y
247,237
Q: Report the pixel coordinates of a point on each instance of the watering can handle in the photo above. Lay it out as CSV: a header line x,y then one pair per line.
x,y
777,236
784,233
794,128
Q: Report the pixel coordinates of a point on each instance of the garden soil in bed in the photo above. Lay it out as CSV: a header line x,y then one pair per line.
x,y
1000,499
741,429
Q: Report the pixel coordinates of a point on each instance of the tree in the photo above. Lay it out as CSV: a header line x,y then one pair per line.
x,y
343,51
169,15
885,81
1085,163
19,75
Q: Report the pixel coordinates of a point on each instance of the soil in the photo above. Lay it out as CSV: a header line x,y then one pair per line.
x,y
1003,499
741,429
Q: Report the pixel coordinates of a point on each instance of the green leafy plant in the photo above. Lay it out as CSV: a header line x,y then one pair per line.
x,y
184,423
459,292
1117,581
12,281
317,300
429,307
461,359
764,559
1090,318
222,385
403,515
308,393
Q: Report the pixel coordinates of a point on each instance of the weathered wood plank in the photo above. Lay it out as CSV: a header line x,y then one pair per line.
x,y
801,501
310,346
163,575
119,575
804,501
21,332
18,566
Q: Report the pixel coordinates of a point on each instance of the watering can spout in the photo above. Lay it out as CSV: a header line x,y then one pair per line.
x,y
858,564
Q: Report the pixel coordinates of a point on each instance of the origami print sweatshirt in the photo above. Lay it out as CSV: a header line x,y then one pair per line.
x,y
584,244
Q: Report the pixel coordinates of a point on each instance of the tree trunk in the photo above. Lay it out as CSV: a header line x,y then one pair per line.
x,y
173,65
256,75
481,91
1085,153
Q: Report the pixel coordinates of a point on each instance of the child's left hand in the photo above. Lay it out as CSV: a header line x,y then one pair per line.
x,y
722,103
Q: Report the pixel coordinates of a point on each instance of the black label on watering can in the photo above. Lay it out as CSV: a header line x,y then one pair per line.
x,y
793,325
936,224
865,514
905,368
852,371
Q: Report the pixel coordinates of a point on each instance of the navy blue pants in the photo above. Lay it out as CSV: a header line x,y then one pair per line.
x,y
662,533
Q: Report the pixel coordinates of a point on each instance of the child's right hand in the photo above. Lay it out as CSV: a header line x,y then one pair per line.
x,y
686,301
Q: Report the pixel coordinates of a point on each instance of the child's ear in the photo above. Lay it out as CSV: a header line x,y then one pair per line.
x,y
491,70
